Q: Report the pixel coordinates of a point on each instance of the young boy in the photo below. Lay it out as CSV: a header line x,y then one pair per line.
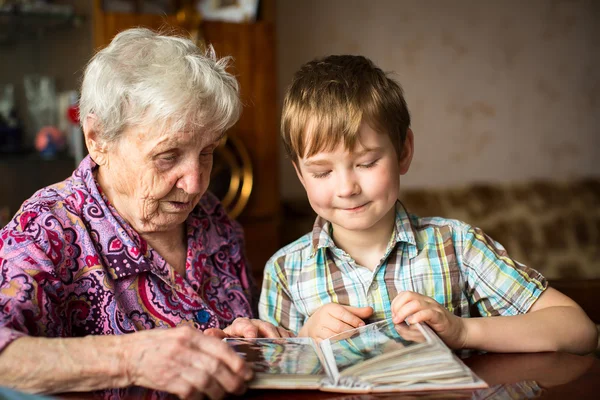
x,y
346,128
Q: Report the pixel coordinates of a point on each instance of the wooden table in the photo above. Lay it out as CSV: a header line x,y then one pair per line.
x,y
510,376
555,375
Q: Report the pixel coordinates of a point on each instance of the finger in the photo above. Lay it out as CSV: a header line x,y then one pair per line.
x,y
401,299
344,315
249,330
222,352
405,329
361,312
215,332
200,362
425,315
180,387
214,378
185,383
400,303
267,329
334,326
435,315
396,303
406,310
284,333
408,332
215,392
202,384
242,327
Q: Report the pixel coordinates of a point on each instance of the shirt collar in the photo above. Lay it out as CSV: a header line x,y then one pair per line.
x,y
403,232
122,250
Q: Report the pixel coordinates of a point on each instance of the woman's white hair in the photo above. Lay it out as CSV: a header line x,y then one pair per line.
x,y
144,78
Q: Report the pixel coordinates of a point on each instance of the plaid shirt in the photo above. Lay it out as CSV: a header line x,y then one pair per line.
x,y
447,260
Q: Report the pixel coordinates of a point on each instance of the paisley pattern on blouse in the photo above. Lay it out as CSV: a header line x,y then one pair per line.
x,y
70,266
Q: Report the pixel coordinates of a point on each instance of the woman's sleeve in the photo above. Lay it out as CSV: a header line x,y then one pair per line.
x,y
245,269
30,291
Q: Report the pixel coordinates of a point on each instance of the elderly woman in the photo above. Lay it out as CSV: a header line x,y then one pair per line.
x,y
132,241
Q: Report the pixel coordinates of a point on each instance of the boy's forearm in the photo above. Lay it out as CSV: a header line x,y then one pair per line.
x,y
560,328
43,365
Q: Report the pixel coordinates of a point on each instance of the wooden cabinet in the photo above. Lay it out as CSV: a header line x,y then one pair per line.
x,y
252,46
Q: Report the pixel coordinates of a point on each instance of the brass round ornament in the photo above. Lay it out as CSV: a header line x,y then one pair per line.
x,y
231,176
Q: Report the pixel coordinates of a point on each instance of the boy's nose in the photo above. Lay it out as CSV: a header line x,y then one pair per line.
x,y
348,186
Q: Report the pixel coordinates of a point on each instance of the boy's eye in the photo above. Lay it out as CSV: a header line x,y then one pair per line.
x,y
319,175
369,165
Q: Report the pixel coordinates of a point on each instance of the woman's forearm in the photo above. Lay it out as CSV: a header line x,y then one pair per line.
x,y
559,328
43,365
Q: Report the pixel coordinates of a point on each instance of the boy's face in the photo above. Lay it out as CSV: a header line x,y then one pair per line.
x,y
355,190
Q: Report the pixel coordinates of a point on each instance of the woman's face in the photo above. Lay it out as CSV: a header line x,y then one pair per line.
x,y
155,179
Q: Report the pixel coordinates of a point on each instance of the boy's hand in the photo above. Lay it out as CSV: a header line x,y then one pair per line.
x,y
334,318
418,308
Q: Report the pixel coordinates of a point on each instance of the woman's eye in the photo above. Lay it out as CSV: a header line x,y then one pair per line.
x,y
208,152
166,160
319,175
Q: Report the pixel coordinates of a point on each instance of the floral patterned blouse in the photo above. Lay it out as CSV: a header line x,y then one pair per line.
x,y
70,266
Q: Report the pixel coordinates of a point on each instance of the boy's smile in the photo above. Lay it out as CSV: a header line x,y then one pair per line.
x,y
356,191
357,208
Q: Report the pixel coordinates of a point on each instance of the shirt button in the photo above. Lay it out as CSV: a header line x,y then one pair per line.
x,y
202,316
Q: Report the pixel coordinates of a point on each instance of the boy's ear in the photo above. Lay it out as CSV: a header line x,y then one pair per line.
x,y
96,146
407,152
294,163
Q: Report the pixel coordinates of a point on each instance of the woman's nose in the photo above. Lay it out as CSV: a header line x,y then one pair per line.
x,y
191,179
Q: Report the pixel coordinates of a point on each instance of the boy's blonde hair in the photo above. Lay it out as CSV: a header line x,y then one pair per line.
x,y
330,97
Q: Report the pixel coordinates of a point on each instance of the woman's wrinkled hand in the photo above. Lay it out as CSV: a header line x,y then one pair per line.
x,y
414,307
334,318
250,328
185,362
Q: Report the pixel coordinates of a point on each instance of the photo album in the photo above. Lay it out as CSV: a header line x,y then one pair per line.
x,y
378,357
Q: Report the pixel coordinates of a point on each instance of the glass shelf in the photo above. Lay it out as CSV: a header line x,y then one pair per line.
x,y
24,21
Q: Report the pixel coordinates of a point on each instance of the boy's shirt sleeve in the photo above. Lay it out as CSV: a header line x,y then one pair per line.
x,y
496,283
276,304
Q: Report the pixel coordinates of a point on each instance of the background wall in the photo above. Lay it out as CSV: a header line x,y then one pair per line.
x,y
498,90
